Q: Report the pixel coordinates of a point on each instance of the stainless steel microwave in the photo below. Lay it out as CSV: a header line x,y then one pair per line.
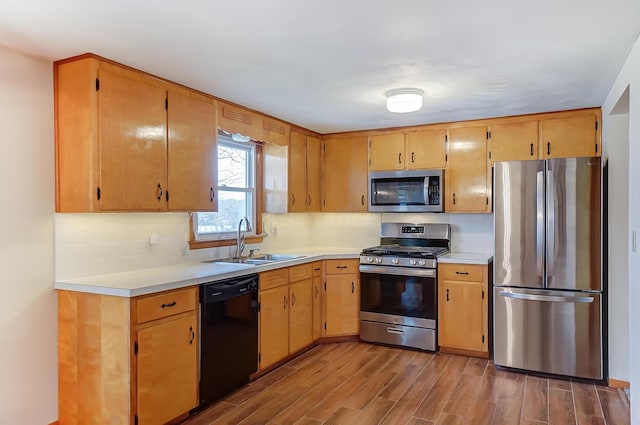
x,y
406,191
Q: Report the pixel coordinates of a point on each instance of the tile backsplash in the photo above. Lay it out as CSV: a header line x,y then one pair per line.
x,y
92,244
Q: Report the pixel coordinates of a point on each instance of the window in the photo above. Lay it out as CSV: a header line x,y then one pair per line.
x,y
236,191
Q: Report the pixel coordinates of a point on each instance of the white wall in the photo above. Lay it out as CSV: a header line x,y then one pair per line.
x,y
630,77
28,315
616,151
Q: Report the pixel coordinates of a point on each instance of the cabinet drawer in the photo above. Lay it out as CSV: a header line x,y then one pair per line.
x,y
274,278
465,272
166,304
316,269
342,266
301,272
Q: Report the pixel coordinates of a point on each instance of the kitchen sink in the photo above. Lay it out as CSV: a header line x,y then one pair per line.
x,y
256,259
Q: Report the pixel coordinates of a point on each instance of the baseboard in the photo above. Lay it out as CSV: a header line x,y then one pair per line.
x,y
615,383
459,351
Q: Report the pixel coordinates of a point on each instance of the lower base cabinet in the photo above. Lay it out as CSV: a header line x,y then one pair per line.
x,y
463,314
127,360
342,298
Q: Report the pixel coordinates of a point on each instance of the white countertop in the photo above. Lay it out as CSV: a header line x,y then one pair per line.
x,y
157,279
465,258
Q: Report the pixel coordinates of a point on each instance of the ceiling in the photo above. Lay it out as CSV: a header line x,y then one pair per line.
x,y
325,65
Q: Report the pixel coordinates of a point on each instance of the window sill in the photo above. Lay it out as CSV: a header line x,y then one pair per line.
x,y
223,242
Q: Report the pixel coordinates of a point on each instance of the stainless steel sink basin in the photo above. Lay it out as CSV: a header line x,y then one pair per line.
x,y
256,259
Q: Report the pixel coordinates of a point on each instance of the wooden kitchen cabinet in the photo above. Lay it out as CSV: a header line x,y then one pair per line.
x,y
192,152
342,298
286,313
117,133
387,152
127,360
316,273
426,149
568,137
304,172
463,314
467,176
345,174
516,141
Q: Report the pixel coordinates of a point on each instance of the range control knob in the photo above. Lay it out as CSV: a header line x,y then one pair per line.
x,y
422,263
413,262
379,260
369,259
395,260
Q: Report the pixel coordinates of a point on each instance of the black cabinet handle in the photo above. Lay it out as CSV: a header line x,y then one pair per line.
x,y
548,148
159,192
293,299
463,273
353,287
400,158
285,303
316,270
362,201
413,154
447,295
212,194
192,335
454,199
171,304
309,204
341,267
531,149
293,199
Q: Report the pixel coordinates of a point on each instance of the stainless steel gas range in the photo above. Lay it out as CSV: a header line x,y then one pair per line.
x,y
398,281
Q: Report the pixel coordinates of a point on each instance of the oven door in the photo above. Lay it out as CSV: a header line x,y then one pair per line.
x,y
398,306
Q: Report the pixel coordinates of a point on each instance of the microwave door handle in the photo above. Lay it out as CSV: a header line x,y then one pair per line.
x,y
425,190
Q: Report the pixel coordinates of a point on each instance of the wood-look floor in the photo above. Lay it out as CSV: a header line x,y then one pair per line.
x,y
358,383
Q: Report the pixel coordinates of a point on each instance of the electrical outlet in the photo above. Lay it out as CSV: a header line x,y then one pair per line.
x,y
153,238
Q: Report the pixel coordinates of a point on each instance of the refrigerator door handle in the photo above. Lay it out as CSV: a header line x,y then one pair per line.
x,y
540,222
551,224
546,298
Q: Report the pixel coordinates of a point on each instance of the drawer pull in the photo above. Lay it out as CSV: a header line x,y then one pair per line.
x,y
395,331
316,270
192,335
353,287
169,305
341,267
462,273
447,294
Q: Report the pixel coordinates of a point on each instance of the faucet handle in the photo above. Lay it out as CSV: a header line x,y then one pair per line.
x,y
253,251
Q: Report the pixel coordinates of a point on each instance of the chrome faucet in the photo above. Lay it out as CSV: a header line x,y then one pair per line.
x,y
240,236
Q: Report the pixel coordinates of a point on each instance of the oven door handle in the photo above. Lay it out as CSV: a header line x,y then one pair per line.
x,y
398,271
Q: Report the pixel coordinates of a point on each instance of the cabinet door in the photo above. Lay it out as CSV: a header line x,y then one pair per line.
x,y
386,152
466,182
313,174
342,304
133,144
274,325
569,137
192,155
297,172
514,141
426,149
300,315
317,307
167,370
345,175
460,315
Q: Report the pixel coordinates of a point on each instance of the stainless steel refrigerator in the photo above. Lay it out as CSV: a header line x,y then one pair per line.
x,y
547,266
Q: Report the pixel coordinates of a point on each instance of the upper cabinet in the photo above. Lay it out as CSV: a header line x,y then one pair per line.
x,y
570,137
275,160
552,135
345,174
115,133
192,143
304,172
516,141
407,151
467,179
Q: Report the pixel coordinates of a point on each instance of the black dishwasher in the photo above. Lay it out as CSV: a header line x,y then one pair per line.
x,y
228,336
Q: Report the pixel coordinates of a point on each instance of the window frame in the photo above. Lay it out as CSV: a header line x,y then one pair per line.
x,y
199,243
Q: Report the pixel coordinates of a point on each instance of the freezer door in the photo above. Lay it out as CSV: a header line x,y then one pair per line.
x,y
556,332
519,223
573,224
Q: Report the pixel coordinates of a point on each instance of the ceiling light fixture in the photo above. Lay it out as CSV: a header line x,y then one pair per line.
x,y
404,100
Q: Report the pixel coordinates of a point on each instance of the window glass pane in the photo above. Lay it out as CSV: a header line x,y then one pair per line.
x,y
232,166
232,206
